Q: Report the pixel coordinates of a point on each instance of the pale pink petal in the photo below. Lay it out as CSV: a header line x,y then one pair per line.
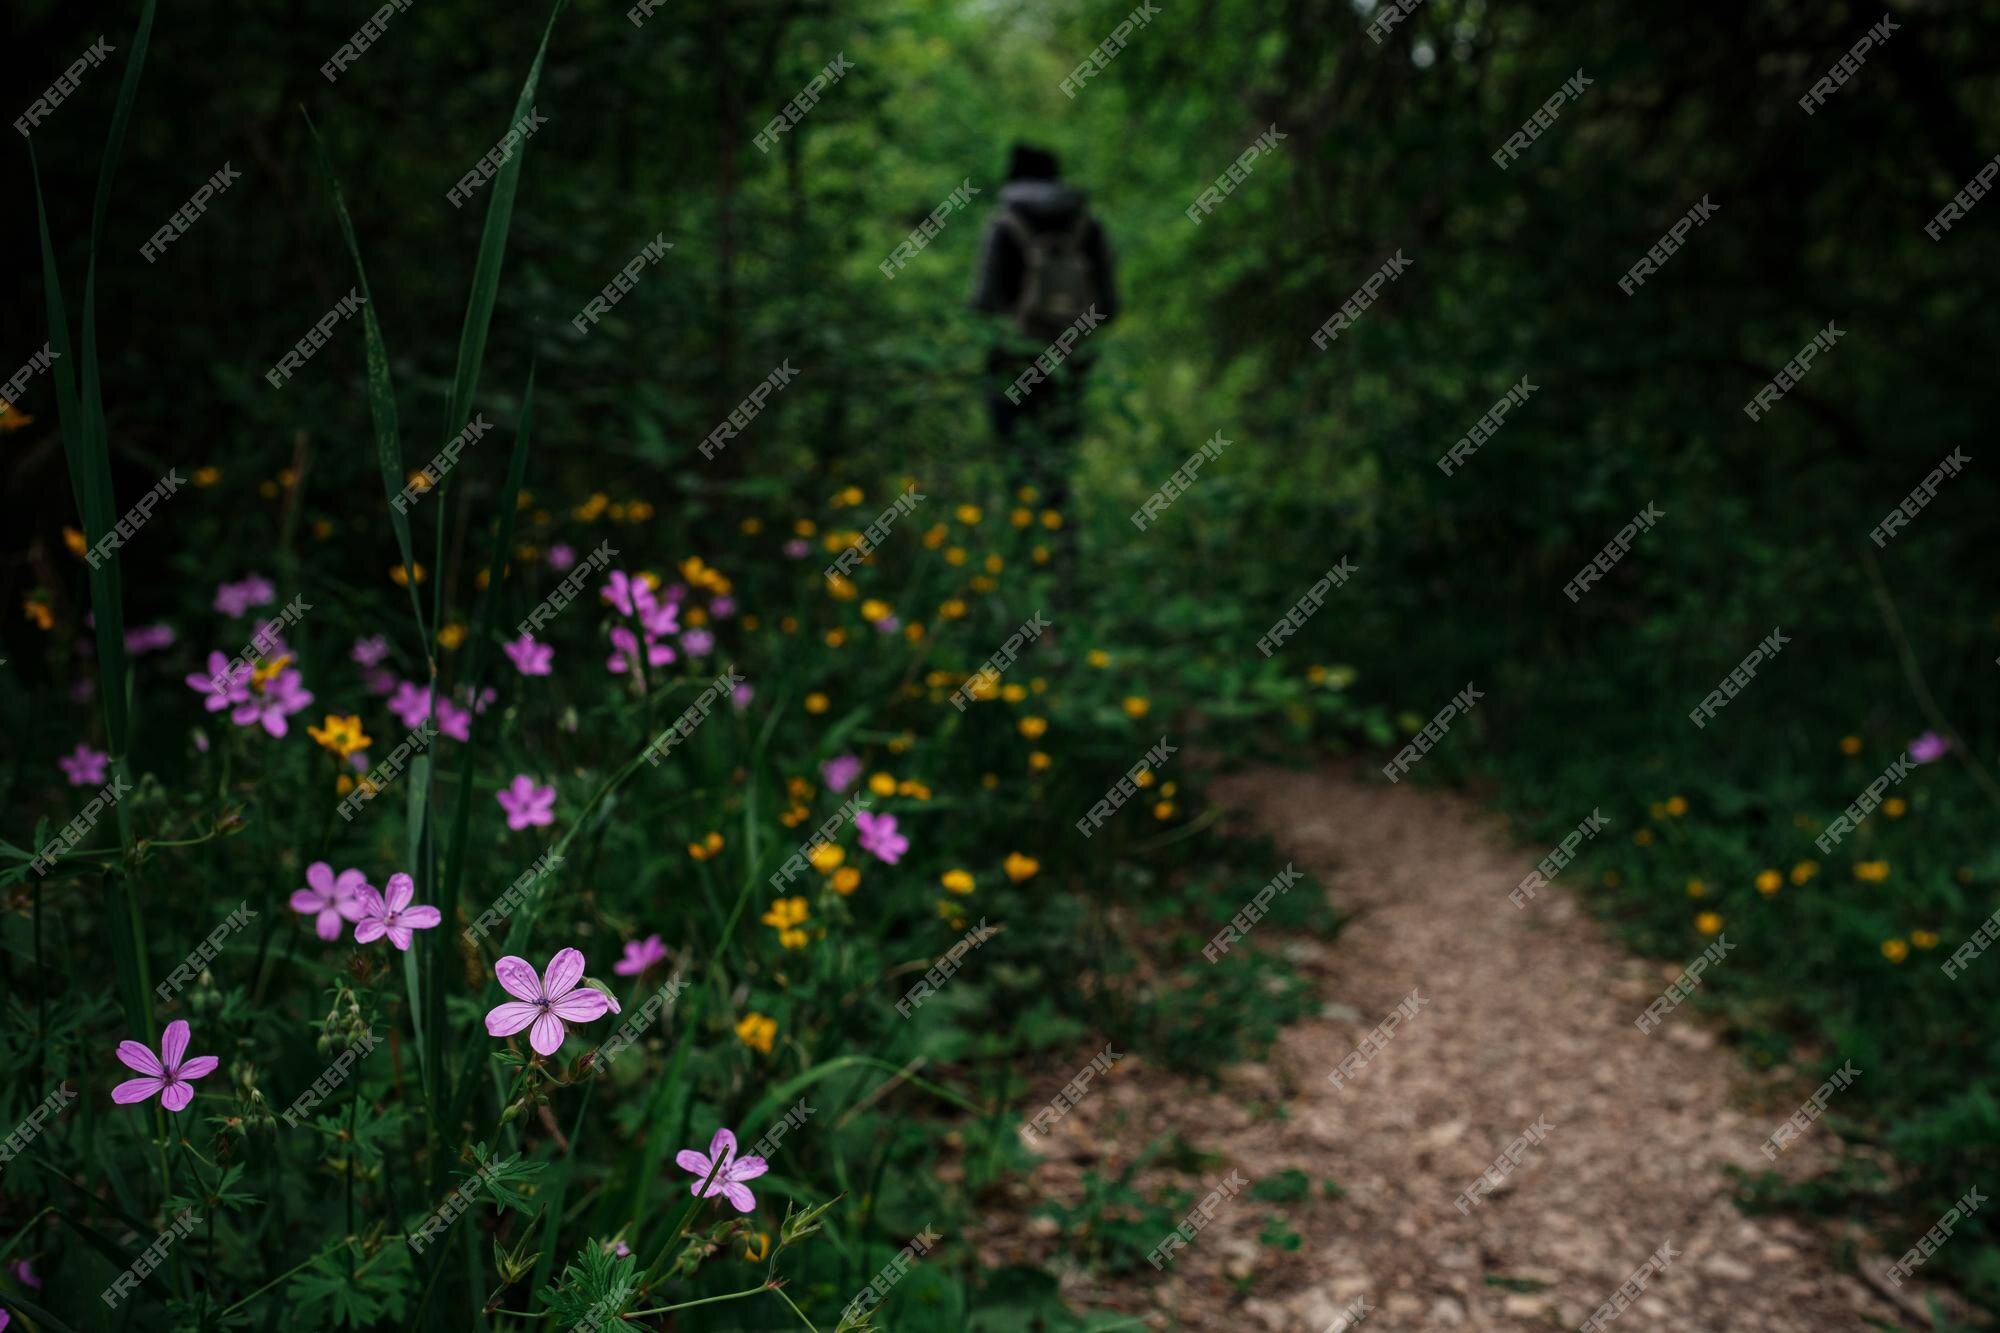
x,y
136,1090
742,1199
547,1035
400,936
370,902
367,932
141,1058
565,970
401,889
199,1067
347,881
582,1005
748,1168
308,901
517,977
722,1147
504,1020
320,876
174,1044
421,917
327,924
687,1159
176,1096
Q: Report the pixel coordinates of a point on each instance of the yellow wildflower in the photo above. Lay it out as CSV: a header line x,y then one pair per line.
x,y
816,702
1032,727
1708,923
956,881
1019,867
1895,950
342,735
756,1031
846,880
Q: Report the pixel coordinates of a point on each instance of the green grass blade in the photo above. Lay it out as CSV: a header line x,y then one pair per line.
x,y
381,402
492,255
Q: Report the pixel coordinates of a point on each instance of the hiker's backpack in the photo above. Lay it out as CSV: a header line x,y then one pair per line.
x,y
1057,280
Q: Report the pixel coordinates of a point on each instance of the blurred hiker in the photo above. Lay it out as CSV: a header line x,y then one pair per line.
x,y
1045,264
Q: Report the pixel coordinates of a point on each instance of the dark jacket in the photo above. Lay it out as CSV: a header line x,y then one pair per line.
x,y
1044,205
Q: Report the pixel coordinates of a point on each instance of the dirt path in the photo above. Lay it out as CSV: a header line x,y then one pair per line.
x,y
1527,1018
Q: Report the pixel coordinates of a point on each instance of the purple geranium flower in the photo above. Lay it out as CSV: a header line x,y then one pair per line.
x,y
547,1002
284,694
527,804
411,703
878,835
83,766
561,556
727,1169
529,658
222,685
1929,748
371,650
329,899
640,955
148,639
840,772
235,599
390,913
167,1073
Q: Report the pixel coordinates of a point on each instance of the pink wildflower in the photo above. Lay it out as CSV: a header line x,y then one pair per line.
x,y
391,914
530,658
879,836
527,804
168,1073
329,899
840,772
83,766
640,955
547,1002
729,1171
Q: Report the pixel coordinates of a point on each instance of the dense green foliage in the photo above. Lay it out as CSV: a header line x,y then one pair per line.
x,y
651,132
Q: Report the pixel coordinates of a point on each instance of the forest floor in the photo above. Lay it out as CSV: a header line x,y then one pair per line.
x,y
1527,1018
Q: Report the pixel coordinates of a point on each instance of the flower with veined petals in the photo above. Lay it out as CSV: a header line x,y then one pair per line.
x,y
389,913
722,1172
526,803
879,837
83,766
529,657
329,899
169,1073
544,1003
640,955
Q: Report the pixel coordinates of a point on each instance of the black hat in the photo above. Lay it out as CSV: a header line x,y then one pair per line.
x,y
1032,164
